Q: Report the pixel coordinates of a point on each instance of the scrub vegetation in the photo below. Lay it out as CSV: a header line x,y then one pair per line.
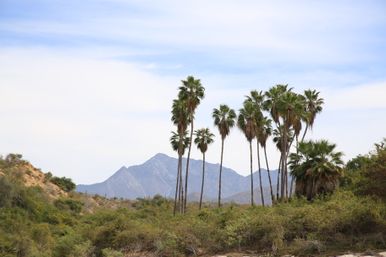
x,y
353,217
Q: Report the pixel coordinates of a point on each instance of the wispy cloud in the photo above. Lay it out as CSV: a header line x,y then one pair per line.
x,y
86,86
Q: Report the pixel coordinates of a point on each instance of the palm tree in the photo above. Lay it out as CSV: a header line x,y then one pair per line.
x,y
224,119
273,105
316,167
313,106
265,132
257,99
247,124
299,114
203,138
179,143
180,118
289,108
192,92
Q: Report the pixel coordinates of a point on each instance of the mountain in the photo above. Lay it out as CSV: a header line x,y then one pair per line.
x,y
158,176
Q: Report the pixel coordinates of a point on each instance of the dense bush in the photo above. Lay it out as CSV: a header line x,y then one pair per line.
x,y
69,204
64,183
366,175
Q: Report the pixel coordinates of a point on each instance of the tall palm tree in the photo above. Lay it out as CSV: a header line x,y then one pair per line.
x,y
265,132
179,143
203,138
247,124
317,168
289,108
192,92
313,106
273,105
257,99
299,114
224,119
181,119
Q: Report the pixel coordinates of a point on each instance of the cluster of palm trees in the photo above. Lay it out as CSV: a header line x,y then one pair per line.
x,y
183,109
279,113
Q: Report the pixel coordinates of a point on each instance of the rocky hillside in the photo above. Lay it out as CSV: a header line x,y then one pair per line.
x,y
17,169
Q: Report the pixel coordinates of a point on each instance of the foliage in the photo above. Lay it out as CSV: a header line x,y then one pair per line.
x,y
366,175
69,204
64,183
316,167
351,218
32,226
203,138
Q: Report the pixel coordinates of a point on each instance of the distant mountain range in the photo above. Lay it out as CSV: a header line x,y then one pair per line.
x,y
158,176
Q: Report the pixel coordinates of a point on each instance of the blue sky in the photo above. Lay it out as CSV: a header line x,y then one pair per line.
x,y
83,84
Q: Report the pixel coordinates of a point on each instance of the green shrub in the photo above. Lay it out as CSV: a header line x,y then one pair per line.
x,y
64,183
108,252
69,204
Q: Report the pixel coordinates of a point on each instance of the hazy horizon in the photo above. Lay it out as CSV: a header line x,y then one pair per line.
x,y
86,86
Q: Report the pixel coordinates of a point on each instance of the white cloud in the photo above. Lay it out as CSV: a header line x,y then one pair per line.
x,y
84,117
367,96
299,32
63,111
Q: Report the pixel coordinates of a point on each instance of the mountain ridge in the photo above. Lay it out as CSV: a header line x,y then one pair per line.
x,y
157,175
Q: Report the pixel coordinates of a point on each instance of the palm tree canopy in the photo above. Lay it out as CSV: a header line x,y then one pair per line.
x,y
203,138
180,115
224,119
257,97
278,134
272,97
291,107
314,105
316,164
265,131
247,120
179,142
192,92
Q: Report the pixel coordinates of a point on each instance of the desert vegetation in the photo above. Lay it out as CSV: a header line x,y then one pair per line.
x,y
351,218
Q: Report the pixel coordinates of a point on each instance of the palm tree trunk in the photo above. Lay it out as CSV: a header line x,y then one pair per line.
x,y
282,186
182,199
286,167
286,173
177,183
292,177
181,189
305,131
187,165
282,177
258,163
269,175
278,179
250,156
203,178
291,186
219,180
